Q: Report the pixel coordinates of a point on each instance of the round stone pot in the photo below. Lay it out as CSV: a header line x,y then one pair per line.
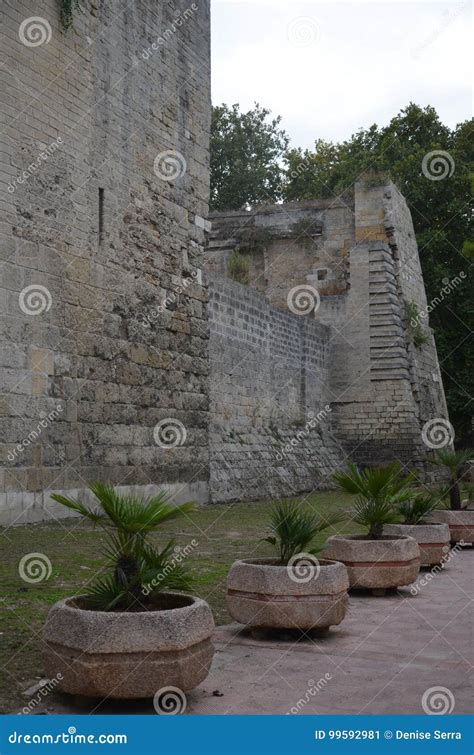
x,y
432,539
461,523
376,564
262,593
129,655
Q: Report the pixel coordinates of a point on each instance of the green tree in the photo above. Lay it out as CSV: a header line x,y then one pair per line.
x,y
441,216
246,157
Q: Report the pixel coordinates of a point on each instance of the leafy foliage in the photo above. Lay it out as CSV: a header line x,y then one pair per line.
x,y
417,510
414,326
68,8
379,491
140,570
294,528
238,267
246,153
453,461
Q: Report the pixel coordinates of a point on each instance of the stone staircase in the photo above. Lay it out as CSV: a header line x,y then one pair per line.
x,y
388,354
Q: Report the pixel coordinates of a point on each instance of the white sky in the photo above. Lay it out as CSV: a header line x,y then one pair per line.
x,y
331,67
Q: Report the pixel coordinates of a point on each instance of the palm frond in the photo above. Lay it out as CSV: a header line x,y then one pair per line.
x,y
135,514
379,491
294,528
94,515
105,594
451,459
416,510
162,570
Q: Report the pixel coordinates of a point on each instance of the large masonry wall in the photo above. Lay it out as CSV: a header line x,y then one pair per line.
x,y
357,258
103,238
270,431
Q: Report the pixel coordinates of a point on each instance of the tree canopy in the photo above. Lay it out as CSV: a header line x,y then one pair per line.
x,y
246,157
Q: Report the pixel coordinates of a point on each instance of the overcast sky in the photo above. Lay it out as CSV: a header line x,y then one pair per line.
x,y
330,67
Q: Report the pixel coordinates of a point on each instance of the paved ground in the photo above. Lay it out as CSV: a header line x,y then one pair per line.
x,y
383,658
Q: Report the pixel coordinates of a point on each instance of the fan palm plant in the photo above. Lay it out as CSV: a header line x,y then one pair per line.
x,y
294,529
139,569
379,491
453,461
418,509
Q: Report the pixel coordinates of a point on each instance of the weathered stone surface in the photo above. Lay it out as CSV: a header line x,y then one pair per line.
x,y
261,593
376,564
113,242
363,261
461,523
128,655
126,339
270,419
433,539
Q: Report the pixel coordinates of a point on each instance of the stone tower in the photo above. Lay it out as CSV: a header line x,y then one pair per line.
x,y
357,257
104,173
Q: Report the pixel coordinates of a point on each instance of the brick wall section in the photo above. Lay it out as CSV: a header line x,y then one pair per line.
x,y
91,353
268,383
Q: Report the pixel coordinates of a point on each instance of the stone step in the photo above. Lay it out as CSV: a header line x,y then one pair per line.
x,y
383,298
382,342
222,243
375,375
380,320
382,287
380,267
390,351
375,278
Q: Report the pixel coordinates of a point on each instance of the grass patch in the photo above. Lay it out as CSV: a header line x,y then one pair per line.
x,y
224,533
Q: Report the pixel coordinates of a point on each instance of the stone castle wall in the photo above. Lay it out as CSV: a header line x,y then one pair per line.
x,y
270,422
114,365
357,257
93,227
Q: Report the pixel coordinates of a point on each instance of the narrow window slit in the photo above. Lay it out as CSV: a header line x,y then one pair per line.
x,y
101,215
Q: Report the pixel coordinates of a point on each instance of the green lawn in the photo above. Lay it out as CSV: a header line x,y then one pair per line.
x,y
224,533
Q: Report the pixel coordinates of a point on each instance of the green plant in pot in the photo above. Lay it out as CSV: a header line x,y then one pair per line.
x,y
99,640
432,538
295,590
375,560
459,519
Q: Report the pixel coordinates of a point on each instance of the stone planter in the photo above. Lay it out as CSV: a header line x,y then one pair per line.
x,y
376,564
262,593
432,539
461,523
129,655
